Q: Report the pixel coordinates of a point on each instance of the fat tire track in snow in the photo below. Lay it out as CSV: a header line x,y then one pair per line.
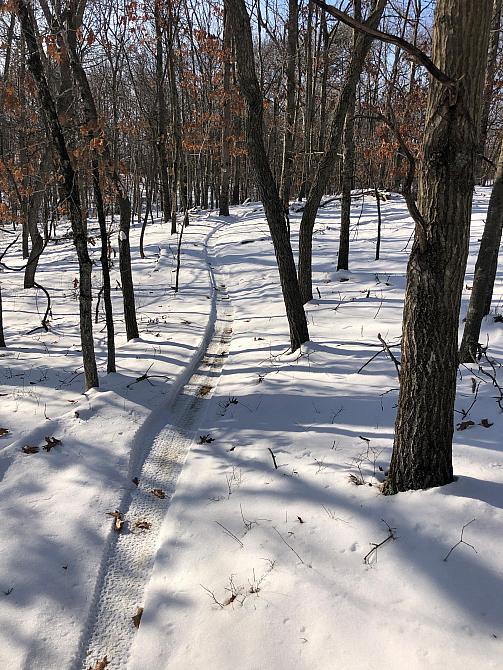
x,y
158,457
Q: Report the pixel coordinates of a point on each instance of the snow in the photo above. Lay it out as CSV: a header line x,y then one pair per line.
x,y
251,566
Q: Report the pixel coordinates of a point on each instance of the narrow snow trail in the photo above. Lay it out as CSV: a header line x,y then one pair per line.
x,y
161,448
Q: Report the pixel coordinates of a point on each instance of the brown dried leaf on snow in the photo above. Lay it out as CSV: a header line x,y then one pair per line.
x,y
144,525
465,424
486,423
158,493
51,442
28,449
137,617
100,665
4,432
118,520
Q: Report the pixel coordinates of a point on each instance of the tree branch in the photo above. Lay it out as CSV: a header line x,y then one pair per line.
x,y
413,51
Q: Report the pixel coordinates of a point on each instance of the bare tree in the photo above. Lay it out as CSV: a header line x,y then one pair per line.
x,y
326,166
226,118
268,190
69,187
485,269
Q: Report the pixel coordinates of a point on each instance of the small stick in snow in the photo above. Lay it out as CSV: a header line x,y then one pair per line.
x,y
146,377
292,549
229,533
461,541
213,596
375,547
273,457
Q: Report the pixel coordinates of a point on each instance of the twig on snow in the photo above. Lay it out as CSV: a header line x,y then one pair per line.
x,y
291,548
461,541
229,533
273,457
376,546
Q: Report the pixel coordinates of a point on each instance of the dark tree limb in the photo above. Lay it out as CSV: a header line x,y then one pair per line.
x,y
413,51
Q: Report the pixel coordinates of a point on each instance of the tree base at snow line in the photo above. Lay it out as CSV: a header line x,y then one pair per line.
x,y
400,478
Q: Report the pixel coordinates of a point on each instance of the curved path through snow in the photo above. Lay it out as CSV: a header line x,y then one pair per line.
x,y
160,451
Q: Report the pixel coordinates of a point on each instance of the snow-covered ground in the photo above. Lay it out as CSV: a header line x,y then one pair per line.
x,y
254,566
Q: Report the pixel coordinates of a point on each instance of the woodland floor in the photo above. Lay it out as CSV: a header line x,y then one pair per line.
x,y
257,560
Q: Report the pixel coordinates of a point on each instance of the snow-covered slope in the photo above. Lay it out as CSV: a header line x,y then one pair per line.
x,y
260,561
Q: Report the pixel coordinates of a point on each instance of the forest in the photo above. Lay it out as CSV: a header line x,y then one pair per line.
x,y
251,345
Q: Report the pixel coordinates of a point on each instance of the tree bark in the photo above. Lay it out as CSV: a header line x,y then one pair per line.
x,y
291,85
329,159
100,140
2,336
105,267
34,203
226,130
348,168
161,112
267,188
70,188
422,451
492,57
485,269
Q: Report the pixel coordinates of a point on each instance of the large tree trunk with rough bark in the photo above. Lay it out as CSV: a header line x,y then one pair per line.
x,y
422,452
485,269
492,58
329,158
69,186
266,185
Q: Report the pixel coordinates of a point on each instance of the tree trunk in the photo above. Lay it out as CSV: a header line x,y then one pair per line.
x,y
379,222
489,83
33,206
348,168
91,116
148,212
329,159
485,269
291,85
267,188
161,112
226,130
2,336
69,186
422,452
105,267
125,269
